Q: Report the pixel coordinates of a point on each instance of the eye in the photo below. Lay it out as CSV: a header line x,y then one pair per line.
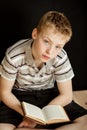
x,y
46,42
58,47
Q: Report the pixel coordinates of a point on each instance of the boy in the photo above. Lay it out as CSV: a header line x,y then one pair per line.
x,y
29,71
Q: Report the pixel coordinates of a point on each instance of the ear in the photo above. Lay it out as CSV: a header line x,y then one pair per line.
x,y
34,33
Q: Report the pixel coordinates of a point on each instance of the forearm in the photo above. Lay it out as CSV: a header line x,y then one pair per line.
x,y
62,100
11,101
65,93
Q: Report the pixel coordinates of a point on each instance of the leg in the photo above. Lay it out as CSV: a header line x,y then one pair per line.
x,y
30,129
4,126
78,124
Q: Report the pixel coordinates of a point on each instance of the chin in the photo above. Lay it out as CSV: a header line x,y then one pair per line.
x,y
45,60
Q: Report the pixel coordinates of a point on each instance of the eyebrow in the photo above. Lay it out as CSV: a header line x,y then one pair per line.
x,y
61,45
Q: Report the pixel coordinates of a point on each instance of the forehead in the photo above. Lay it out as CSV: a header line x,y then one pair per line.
x,y
54,36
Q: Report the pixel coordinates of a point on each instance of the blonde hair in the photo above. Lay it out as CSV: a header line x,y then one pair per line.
x,y
58,20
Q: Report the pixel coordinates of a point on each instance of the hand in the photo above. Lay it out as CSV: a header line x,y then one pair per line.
x,y
27,123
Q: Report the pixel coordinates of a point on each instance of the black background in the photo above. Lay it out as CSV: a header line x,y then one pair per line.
x,y
19,17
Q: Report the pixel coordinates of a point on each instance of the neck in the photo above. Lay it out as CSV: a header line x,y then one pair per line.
x,y
39,64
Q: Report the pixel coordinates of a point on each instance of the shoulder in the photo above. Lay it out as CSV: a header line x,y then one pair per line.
x,y
16,53
19,45
17,49
62,56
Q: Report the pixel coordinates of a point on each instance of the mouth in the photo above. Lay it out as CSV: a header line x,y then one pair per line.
x,y
45,57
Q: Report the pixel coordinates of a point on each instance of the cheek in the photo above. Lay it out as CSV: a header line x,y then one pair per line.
x,y
56,53
41,47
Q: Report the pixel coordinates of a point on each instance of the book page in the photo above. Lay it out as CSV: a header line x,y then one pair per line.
x,y
32,111
54,112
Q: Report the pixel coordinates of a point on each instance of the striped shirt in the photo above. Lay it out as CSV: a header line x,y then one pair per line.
x,y
18,64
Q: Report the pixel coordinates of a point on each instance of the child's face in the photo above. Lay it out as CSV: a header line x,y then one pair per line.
x,y
47,45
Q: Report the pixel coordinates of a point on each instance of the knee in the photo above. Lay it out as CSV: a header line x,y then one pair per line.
x,y
82,121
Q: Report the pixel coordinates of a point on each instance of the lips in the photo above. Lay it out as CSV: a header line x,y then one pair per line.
x,y
45,57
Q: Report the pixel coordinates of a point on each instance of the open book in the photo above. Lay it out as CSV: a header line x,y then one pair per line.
x,y
47,115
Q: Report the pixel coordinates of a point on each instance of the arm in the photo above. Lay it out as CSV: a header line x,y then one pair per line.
x,y
8,97
11,101
65,96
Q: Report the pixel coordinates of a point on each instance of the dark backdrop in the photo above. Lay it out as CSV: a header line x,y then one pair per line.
x,y
19,17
